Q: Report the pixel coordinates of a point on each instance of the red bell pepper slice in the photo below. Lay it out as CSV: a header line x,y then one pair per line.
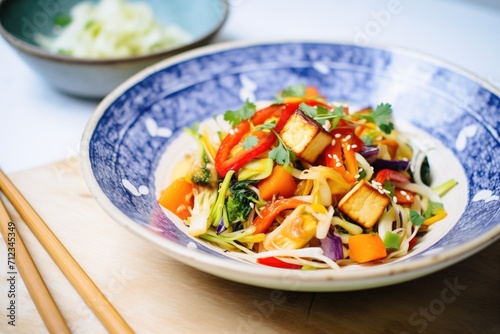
x,y
340,156
271,211
412,243
277,263
223,163
407,198
390,175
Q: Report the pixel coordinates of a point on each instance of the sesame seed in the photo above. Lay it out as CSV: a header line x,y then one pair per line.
x,y
395,199
348,147
336,157
403,192
231,132
333,142
347,137
337,135
327,125
329,156
356,176
408,198
338,164
354,146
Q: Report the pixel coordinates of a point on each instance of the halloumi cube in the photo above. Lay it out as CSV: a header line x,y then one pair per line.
x,y
305,137
364,204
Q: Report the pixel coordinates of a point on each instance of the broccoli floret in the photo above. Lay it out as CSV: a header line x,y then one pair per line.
x,y
202,174
240,201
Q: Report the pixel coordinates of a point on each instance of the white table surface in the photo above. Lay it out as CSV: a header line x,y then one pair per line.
x,y
39,125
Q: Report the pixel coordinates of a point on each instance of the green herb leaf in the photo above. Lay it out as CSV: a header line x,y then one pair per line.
x,y
381,116
416,218
281,153
267,126
320,114
308,110
387,186
249,142
298,90
235,117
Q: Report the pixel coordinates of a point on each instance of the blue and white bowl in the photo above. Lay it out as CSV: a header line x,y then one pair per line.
x,y
134,138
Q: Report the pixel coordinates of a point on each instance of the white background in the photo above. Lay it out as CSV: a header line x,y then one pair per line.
x,y
39,125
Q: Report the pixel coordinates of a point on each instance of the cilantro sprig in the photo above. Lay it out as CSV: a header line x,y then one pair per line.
x,y
267,126
320,114
250,142
282,154
235,117
381,116
298,90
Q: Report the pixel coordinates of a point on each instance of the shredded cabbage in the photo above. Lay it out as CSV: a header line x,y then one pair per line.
x,y
113,29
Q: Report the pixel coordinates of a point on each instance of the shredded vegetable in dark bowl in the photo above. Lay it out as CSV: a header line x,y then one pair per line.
x,y
310,166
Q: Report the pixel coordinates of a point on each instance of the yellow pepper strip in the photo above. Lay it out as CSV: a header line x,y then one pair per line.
x,y
209,148
319,208
440,214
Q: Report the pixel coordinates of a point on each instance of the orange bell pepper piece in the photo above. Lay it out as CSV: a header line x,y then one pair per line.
x,y
178,198
366,247
280,182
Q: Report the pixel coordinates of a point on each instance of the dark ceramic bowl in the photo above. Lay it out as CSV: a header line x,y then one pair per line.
x,y
22,20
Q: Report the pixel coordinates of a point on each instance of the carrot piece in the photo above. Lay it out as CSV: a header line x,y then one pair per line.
x,y
280,182
404,196
271,211
366,247
178,198
312,92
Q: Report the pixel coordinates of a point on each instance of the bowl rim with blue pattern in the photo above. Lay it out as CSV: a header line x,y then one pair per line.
x,y
126,138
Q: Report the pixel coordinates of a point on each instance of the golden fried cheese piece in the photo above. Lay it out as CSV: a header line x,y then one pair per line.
x,y
364,204
305,137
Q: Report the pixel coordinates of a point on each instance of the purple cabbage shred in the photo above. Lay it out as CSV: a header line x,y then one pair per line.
x,y
332,246
396,165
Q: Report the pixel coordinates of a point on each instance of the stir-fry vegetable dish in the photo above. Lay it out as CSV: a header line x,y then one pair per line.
x,y
306,184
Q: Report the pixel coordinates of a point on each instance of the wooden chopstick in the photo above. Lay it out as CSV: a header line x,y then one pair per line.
x,y
94,298
21,259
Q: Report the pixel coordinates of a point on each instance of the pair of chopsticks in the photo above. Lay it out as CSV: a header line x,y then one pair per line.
x,y
37,289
